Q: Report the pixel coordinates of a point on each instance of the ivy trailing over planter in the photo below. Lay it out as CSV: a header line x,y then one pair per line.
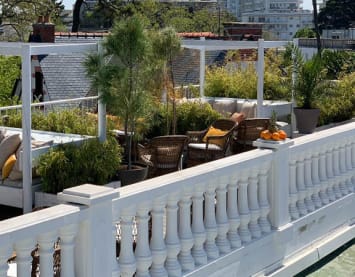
x,y
71,165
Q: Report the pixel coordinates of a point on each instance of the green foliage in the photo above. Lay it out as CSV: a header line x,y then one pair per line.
x,y
70,165
10,70
305,33
338,63
337,14
190,116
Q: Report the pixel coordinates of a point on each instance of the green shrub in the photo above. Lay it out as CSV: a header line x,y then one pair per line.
x,y
70,165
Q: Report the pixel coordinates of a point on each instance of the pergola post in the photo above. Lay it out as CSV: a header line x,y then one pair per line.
x,y
101,109
202,69
260,85
26,128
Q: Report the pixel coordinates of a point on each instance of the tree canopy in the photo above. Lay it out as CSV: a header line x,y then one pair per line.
x,y
337,14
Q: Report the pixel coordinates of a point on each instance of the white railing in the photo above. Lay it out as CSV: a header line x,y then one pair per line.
x,y
242,215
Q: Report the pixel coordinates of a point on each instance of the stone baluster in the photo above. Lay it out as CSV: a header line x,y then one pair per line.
x,y
142,252
293,194
244,208
233,214
210,222
353,162
221,216
198,228
336,171
67,237
46,243
330,174
302,192
308,182
343,170
186,239
23,250
253,204
127,259
172,241
323,176
263,200
5,254
115,239
349,167
315,179
157,243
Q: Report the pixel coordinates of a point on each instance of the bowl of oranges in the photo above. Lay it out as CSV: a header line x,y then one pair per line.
x,y
273,135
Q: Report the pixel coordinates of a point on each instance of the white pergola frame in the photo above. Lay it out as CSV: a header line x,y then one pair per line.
x,y
25,51
214,45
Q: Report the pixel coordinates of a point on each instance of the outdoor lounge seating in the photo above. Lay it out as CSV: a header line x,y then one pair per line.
x,y
211,143
162,154
246,132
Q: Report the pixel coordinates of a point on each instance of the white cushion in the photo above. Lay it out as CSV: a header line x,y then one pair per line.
x,y
202,146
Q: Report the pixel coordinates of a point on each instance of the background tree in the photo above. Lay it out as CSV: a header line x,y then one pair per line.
x,y
21,14
337,14
305,33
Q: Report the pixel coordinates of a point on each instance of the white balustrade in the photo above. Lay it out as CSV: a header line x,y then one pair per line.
x,y
330,174
336,171
142,252
23,250
233,214
172,241
323,176
353,163
67,236
315,179
293,193
244,232
263,199
253,204
157,243
198,228
186,239
302,192
349,167
5,253
46,248
308,182
210,222
342,167
221,216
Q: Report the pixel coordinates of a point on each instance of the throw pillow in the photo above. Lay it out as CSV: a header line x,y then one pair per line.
x,y
215,132
237,117
8,146
8,165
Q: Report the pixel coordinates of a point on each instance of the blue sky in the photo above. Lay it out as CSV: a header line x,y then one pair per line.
x,y
307,4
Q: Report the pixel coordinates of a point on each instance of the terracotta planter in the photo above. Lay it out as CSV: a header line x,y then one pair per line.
x,y
306,119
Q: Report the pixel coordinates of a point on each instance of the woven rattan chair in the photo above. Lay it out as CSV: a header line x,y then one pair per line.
x,y
162,154
246,132
202,148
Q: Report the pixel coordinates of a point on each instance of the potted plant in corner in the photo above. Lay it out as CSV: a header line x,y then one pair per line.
x,y
121,74
308,86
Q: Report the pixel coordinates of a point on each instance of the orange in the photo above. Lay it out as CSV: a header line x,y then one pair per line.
x,y
282,134
266,134
275,136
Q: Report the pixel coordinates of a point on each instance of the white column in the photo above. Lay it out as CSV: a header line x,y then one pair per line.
x,y
67,237
342,165
330,174
157,244
253,204
244,232
202,69
198,228
46,249
5,254
293,195
26,128
308,181
315,179
260,86
172,241
210,222
323,176
142,252
263,200
349,166
23,250
336,171
353,162
186,238
302,192
127,259
101,108
222,219
233,214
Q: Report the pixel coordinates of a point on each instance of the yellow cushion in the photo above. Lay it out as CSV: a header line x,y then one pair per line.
x,y
215,132
8,165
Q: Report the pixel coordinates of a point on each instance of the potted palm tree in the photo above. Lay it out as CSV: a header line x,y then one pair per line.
x,y
308,86
121,74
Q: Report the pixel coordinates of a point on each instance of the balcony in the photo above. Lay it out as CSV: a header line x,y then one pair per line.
x,y
271,211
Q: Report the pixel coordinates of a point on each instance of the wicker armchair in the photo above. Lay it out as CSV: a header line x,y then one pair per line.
x,y
202,148
162,154
247,131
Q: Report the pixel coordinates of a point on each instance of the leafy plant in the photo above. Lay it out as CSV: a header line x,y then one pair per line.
x,y
70,165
